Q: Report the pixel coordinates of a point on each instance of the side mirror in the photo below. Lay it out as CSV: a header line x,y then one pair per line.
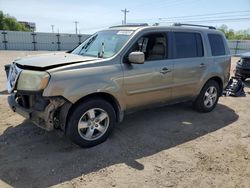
x,y
136,57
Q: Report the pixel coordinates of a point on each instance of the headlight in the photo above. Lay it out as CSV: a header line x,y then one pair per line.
x,y
240,61
32,80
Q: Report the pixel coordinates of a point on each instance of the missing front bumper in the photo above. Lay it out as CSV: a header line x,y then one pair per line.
x,y
44,119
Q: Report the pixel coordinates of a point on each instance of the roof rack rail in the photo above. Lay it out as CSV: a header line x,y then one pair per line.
x,y
130,25
207,26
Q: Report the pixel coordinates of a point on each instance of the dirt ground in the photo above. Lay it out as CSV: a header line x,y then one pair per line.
x,y
170,146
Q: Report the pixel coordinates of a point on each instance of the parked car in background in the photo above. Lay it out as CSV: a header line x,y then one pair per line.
x,y
85,92
243,67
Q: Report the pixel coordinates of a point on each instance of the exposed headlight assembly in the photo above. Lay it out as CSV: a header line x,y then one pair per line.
x,y
240,62
32,80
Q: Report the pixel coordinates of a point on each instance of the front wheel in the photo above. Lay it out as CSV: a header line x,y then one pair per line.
x,y
91,123
208,97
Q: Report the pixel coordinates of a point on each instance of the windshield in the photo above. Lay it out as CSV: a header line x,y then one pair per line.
x,y
103,44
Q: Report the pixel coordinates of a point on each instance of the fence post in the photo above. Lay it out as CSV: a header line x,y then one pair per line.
x,y
5,39
34,40
58,42
236,47
80,41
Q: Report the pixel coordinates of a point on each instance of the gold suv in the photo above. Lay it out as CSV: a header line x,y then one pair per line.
x,y
86,91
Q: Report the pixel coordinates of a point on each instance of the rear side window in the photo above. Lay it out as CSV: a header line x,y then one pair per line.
x,y
188,45
216,44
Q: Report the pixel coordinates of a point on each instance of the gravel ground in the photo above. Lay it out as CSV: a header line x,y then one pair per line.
x,y
171,146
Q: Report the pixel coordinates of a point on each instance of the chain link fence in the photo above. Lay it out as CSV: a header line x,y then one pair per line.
x,y
239,46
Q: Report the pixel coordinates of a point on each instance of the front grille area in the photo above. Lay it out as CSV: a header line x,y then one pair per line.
x,y
246,63
32,101
13,75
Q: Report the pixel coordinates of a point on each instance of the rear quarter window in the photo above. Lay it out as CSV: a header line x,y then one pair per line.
x,y
188,45
216,44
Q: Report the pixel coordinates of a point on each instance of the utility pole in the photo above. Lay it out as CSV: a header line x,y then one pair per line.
x,y
125,11
76,22
52,27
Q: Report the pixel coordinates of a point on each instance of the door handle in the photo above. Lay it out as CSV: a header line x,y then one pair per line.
x,y
202,65
164,70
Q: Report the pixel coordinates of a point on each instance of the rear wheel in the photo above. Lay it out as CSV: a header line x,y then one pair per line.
x,y
208,97
91,123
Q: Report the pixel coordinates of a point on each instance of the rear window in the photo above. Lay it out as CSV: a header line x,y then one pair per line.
x,y
188,45
216,44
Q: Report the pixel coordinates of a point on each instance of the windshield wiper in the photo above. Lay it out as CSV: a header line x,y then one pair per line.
x,y
100,54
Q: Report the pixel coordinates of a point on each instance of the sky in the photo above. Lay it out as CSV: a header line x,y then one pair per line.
x,y
95,15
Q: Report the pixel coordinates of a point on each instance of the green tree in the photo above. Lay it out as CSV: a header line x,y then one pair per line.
x,y
10,23
1,20
235,35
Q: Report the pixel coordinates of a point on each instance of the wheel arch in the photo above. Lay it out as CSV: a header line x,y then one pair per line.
x,y
216,79
219,81
99,95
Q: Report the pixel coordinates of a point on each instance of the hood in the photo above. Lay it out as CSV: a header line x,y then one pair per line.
x,y
49,61
245,55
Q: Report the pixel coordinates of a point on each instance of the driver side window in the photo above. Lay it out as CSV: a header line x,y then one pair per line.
x,y
154,46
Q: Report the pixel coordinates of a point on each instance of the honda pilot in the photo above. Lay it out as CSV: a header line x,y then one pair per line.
x,y
87,91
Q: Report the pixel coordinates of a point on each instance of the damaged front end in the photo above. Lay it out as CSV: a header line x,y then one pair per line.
x,y
46,112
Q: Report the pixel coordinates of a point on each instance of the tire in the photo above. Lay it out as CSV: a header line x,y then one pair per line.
x,y
91,122
206,102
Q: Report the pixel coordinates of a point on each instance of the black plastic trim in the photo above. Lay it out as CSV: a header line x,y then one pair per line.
x,y
26,67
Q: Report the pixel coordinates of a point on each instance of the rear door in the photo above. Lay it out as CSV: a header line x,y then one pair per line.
x,y
189,63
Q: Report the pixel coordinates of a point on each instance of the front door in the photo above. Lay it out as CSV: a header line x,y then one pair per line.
x,y
150,82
